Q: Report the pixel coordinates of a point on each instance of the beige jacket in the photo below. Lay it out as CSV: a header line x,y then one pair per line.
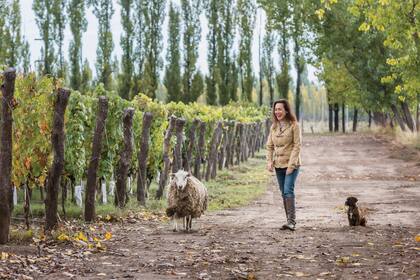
x,y
283,146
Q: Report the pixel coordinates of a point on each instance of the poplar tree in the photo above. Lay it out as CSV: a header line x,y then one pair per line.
x,y
59,22
13,35
172,78
3,15
269,43
86,77
191,10
103,10
154,14
78,25
246,21
212,54
139,41
43,10
127,39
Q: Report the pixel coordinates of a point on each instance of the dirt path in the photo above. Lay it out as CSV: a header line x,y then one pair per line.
x,y
246,243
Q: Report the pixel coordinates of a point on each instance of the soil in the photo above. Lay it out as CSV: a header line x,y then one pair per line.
x,y
247,243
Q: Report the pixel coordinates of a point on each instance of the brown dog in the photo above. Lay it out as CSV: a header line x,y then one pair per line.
x,y
354,214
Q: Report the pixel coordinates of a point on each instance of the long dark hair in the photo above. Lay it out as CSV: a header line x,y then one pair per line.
x,y
290,116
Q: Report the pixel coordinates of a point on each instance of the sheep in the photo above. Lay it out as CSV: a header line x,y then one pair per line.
x,y
187,198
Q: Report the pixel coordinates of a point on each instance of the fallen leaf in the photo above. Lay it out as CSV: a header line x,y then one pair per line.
x,y
108,235
81,236
68,274
300,274
418,237
63,237
4,256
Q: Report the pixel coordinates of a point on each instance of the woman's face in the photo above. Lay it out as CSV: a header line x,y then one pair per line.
x,y
280,111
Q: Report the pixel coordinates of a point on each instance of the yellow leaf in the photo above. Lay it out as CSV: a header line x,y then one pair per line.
x,y
91,228
320,13
63,237
108,235
81,236
90,246
108,217
418,238
364,27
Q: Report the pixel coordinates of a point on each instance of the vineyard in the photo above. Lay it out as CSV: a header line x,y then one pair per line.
x,y
105,143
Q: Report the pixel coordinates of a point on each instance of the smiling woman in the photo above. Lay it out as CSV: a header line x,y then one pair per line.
x,y
283,155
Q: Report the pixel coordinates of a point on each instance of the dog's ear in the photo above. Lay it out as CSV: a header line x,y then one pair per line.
x,y
351,201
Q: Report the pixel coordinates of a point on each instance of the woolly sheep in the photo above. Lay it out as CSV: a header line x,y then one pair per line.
x,y
187,198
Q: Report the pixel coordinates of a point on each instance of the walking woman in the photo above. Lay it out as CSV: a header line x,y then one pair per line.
x,y
283,156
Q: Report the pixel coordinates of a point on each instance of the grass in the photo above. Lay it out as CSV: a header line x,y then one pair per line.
x,y
231,188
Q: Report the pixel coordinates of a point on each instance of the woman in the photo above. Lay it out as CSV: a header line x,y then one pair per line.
x,y
283,155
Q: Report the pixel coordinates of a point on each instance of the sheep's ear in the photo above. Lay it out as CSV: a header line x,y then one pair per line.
x,y
189,174
172,175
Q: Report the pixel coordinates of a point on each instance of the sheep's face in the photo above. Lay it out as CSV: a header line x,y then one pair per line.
x,y
180,179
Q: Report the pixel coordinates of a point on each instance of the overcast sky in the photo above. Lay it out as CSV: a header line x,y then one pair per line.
x,y
90,38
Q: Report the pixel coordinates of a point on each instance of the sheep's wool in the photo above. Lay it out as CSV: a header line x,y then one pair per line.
x,y
190,201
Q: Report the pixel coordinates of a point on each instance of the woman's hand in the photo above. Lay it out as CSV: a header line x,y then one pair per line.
x,y
270,167
289,171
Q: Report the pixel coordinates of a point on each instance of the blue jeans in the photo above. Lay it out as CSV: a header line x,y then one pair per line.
x,y
287,182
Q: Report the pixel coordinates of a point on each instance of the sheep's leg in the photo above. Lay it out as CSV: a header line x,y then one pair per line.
x,y
190,223
175,224
184,223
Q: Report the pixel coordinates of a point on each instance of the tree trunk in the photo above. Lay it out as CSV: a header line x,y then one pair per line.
x,y
243,141
125,159
380,118
229,147
7,103
267,130
343,120
418,113
238,142
63,195
299,69
336,117
355,119
370,118
188,163
54,174
330,117
407,116
94,161
166,161
200,150
179,132
212,162
223,147
142,158
398,117
27,206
